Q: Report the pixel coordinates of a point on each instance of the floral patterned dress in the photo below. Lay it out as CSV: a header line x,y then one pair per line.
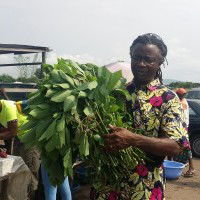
x,y
157,110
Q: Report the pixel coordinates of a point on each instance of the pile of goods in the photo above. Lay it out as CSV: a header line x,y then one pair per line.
x,y
68,115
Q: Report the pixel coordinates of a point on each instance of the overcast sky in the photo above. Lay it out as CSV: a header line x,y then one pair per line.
x,y
101,31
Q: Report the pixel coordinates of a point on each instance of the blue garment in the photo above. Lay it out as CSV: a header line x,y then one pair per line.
x,y
51,191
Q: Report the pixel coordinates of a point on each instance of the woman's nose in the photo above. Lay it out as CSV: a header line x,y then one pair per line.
x,y
142,63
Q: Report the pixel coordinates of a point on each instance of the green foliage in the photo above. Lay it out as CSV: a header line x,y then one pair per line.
x,y
79,102
187,85
5,78
32,79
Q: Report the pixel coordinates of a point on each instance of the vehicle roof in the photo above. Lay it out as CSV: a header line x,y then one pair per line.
x,y
194,100
195,89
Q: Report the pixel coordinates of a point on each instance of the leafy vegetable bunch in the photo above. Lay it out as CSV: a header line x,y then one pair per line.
x,y
68,116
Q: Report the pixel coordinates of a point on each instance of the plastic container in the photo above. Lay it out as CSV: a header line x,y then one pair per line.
x,y
172,169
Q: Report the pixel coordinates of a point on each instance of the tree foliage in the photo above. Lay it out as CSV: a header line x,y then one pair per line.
x,y
187,85
5,78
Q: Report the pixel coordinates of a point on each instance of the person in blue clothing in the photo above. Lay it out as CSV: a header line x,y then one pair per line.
x,y
51,191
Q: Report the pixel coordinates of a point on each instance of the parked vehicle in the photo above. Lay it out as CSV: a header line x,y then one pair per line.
x,y
193,94
194,125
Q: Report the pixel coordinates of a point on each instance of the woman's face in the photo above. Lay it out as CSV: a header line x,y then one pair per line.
x,y
145,62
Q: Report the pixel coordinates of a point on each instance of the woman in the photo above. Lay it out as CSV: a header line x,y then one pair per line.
x,y
186,157
157,111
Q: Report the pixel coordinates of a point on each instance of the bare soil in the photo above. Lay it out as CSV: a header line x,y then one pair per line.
x,y
185,188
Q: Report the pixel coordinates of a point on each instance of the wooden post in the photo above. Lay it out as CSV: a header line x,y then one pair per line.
x,y
43,57
43,62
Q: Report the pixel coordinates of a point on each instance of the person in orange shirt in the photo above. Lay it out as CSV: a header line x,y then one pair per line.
x,y
181,92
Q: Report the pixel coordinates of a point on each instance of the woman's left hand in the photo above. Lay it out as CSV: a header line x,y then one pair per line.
x,y
118,139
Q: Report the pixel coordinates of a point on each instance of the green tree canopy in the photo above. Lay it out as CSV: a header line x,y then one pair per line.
x,y
187,85
5,78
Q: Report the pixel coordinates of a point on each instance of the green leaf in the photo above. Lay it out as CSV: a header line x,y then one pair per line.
x,y
36,99
63,85
29,138
77,83
125,93
48,86
62,138
104,76
66,78
88,111
39,113
69,102
47,68
57,115
82,94
41,127
104,91
65,66
43,106
114,108
49,132
84,145
75,65
51,144
61,124
28,125
115,77
55,76
61,130
67,137
50,93
137,195
92,85
67,162
61,96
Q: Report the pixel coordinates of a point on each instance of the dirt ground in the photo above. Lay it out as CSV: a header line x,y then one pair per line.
x,y
185,188
181,189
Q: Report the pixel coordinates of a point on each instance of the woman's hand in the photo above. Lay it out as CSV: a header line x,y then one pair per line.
x,y
118,139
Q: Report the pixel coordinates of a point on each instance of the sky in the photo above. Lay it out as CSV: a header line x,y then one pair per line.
x,y
101,31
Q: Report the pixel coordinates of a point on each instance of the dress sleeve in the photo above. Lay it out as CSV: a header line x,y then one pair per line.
x,y
173,125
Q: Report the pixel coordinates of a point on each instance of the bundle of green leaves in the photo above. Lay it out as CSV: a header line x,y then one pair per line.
x,y
68,116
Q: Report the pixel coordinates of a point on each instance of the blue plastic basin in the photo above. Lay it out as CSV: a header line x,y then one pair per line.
x,y
172,169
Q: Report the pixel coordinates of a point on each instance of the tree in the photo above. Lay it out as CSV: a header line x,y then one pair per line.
x,y
187,85
5,78
38,73
26,71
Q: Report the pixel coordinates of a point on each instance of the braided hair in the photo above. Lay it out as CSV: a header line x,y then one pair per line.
x,y
151,38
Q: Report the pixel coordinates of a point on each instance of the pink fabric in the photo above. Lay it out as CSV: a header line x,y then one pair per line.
x,y
156,101
142,170
113,196
152,88
156,194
